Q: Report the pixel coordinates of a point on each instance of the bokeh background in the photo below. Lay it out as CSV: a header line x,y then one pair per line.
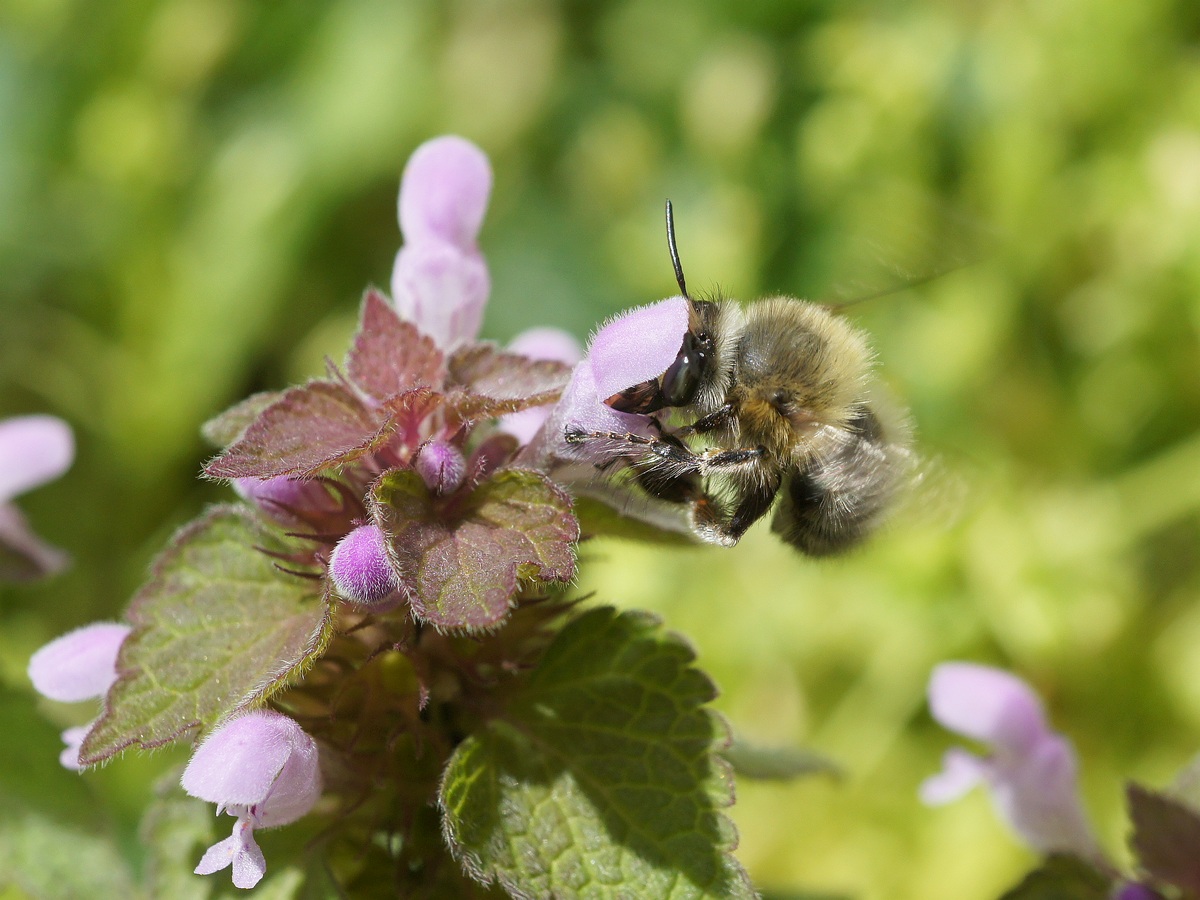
x,y
193,194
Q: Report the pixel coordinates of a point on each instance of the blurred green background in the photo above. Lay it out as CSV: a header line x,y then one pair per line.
x,y
193,194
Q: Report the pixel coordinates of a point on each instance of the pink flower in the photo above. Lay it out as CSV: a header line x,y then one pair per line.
x,y
1031,770
261,768
539,343
33,450
440,281
80,665
636,346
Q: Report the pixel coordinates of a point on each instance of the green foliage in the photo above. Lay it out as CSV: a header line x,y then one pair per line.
x,y
600,778
215,630
1061,878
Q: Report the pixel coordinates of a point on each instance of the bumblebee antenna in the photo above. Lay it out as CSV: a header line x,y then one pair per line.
x,y
675,252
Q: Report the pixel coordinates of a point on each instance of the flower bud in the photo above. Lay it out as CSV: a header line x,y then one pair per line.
x,y
441,466
360,569
286,499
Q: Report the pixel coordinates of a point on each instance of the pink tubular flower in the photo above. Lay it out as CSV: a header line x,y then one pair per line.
x,y
539,343
80,665
636,346
261,768
1031,770
33,450
440,281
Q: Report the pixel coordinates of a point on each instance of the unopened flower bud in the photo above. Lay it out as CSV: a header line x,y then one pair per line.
x,y
441,466
286,499
360,569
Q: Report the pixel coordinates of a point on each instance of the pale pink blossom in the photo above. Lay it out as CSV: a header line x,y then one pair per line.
x,y
261,768
1031,769
80,665
637,346
440,281
33,450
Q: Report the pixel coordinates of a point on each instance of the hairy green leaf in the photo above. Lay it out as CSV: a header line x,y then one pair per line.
x,y
1061,878
308,429
600,779
217,628
461,561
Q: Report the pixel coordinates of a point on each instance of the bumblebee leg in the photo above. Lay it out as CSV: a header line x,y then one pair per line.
x,y
714,420
674,452
709,521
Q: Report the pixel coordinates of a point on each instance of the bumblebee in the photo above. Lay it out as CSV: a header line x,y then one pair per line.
x,y
776,402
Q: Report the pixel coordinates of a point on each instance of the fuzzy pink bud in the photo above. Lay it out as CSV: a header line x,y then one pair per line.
x,y
441,466
360,569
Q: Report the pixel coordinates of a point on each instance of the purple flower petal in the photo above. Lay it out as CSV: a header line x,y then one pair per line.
x,y
442,289
961,771
239,850
80,665
246,763
1037,794
1032,769
986,704
33,450
638,345
548,343
73,738
360,569
444,192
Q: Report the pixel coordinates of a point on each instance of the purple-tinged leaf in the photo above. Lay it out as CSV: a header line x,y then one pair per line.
x,y
1166,837
489,456
223,429
310,428
487,371
1061,878
216,628
460,564
389,355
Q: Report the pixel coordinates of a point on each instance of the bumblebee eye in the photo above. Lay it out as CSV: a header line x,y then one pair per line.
x,y
681,382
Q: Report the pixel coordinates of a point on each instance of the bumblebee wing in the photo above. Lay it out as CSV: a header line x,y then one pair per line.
x,y
843,490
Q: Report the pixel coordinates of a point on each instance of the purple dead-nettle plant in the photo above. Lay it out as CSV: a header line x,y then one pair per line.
x,y
376,642
33,450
